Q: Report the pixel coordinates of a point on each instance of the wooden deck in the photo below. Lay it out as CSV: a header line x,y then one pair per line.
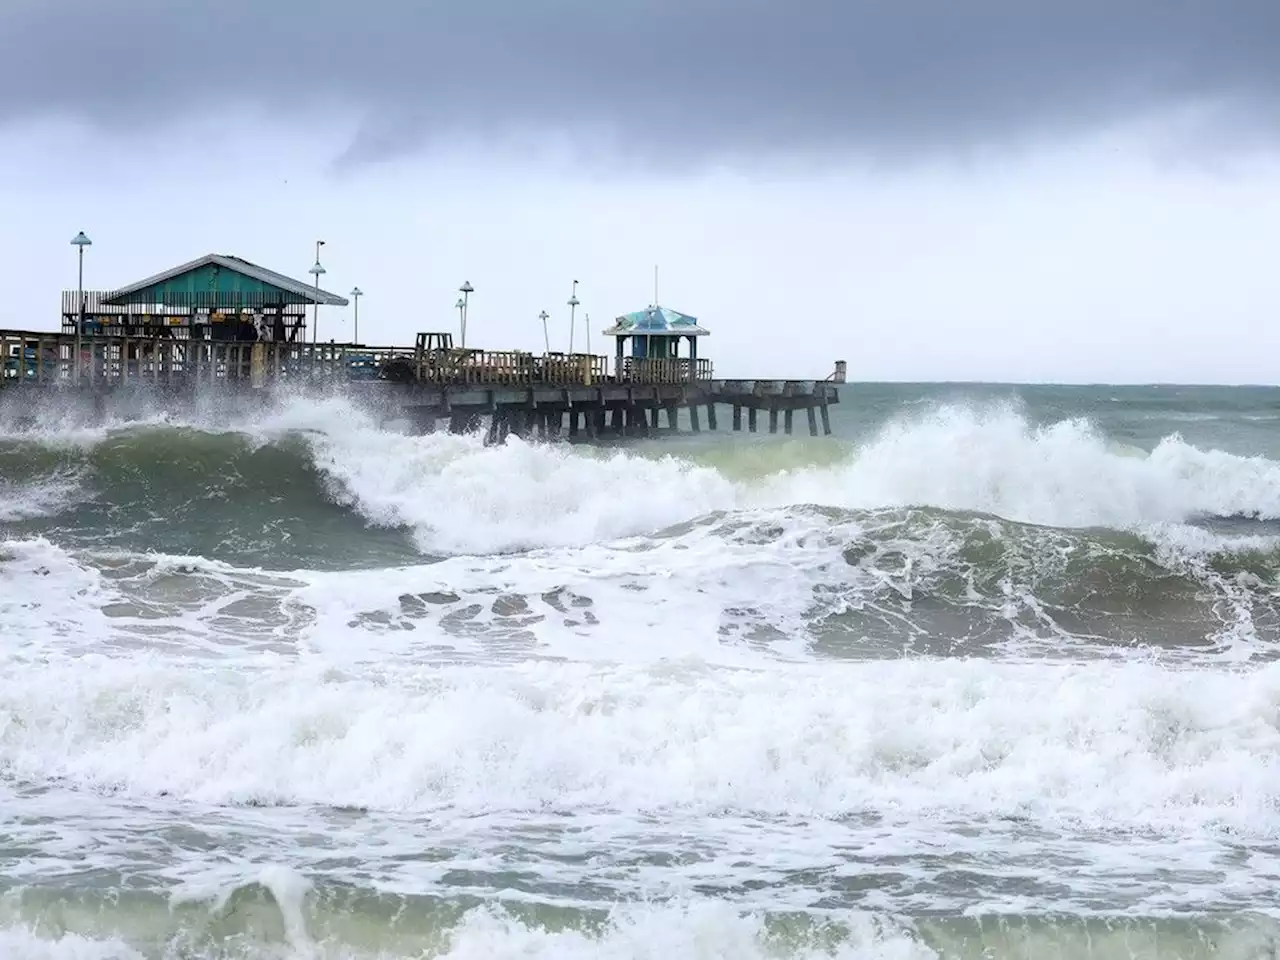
x,y
579,396
31,358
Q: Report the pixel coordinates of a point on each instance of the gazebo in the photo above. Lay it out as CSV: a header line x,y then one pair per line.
x,y
655,334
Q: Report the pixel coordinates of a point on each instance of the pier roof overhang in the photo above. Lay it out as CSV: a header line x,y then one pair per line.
x,y
225,277
656,321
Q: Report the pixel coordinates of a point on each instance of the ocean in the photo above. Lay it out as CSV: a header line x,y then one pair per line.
x,y
990,673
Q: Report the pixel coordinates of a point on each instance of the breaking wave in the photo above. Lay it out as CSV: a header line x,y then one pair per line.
x,y
283,918
950,531
457,495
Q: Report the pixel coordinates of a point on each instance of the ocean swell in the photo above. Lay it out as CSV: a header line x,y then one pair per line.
x,y
457,495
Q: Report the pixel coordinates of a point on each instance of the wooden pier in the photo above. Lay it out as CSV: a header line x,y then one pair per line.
x,y
577,397
221,323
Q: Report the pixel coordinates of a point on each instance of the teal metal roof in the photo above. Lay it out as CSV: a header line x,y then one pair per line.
x,y
210,274
656,321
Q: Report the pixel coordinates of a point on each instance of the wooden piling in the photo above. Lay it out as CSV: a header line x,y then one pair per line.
x,y
495,392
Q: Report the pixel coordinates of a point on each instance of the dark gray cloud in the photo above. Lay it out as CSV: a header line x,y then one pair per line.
x,y
692,80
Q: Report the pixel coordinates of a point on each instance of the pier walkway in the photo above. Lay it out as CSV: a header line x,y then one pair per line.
x,y
580,396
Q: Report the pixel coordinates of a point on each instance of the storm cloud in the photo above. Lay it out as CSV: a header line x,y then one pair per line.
x,y
695,80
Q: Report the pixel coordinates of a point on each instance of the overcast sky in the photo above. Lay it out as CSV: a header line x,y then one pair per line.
x,y
988,189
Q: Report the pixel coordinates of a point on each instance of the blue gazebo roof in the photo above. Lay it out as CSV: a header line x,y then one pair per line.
x,y
656,321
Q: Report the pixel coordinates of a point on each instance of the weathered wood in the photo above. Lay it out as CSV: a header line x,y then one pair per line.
x,y
516,393
786,420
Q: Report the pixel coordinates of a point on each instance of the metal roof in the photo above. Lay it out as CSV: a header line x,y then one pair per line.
x,y
656,321
241,266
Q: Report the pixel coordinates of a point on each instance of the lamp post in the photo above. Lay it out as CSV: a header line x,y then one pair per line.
x,y
573,308
316,271
465,290
356,294
546,337
80,241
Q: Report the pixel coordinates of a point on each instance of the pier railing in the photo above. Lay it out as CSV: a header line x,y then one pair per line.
x,y
677,370
49,358
509,367
190,315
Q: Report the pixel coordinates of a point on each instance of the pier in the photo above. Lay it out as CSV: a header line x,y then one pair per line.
x,y
223,323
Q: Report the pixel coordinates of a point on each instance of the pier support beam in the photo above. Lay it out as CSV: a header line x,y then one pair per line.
x,y
463,422
615,420
786,420
499,427
737,417
751,419
711,416
672,424
694,425
813,421
422,418
773,419
525,423
826,421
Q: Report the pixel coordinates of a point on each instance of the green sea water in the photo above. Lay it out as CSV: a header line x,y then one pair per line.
x,y
990,672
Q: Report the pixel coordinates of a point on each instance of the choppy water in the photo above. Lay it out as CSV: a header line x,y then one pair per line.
x,y
992,673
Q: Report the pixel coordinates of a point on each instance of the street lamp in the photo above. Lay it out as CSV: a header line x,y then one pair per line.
x,y
573,308
316,271
80,241
546,337
356,294
465,290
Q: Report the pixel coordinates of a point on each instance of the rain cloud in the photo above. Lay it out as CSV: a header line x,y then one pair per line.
x,y
694,80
